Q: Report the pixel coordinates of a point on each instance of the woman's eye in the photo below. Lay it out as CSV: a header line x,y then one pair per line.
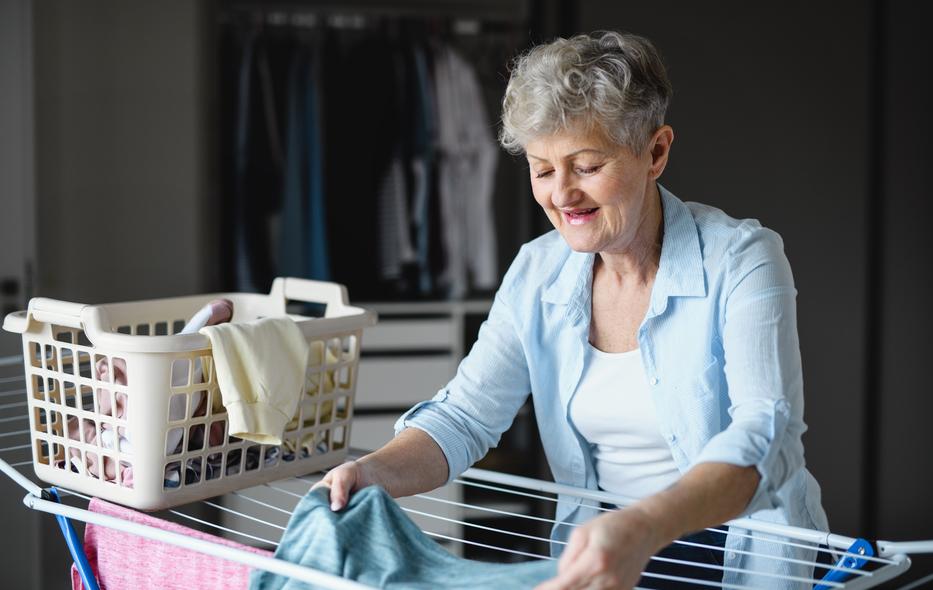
x,y
544,174
586,171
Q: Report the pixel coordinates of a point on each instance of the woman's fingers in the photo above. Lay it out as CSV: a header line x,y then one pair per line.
x,y
577,543
577,574
342,481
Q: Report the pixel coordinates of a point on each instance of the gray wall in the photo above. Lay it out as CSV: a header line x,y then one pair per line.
x,y
122,154
901,399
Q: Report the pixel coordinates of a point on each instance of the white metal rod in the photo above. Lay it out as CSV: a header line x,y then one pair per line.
x,y
653,558
6,361
269,564
910,547
678,541
485,508
260,502
12,392
775,558
792,532
13,405
474,484
23,481
713,547
479,526
12,379
532,537
222,528
484,545
879,576
3,434
289,492
726,568
13,419
16,448
242,515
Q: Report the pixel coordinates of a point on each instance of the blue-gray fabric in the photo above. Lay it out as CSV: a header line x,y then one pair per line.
x,y
372,541
719,346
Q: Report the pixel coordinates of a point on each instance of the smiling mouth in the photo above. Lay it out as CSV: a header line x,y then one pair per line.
x,y
580,216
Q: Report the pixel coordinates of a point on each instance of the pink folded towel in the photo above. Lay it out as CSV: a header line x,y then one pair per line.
x,y
123,561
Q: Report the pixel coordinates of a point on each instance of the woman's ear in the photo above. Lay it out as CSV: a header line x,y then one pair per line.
x,y
660,148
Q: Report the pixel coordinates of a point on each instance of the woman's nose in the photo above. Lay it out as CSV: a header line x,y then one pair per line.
x,y
565,192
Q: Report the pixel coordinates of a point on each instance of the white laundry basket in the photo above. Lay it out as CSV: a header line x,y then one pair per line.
x,y
162,439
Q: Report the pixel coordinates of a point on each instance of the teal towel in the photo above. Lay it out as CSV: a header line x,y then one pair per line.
x,y
374,542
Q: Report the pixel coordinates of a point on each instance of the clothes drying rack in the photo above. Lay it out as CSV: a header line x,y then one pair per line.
x,y
845,569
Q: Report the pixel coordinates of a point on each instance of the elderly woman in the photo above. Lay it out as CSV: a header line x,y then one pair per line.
x,y
657,338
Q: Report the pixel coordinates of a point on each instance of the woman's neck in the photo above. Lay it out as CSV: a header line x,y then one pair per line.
x,y
640,260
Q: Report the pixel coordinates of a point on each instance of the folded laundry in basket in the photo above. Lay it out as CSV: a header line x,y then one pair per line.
x,y
372,541
260,369
124,560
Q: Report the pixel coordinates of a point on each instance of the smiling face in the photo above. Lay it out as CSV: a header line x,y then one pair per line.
x,y
595,193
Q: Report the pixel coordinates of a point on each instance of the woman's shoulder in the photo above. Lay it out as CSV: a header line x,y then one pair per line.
x,y
731,239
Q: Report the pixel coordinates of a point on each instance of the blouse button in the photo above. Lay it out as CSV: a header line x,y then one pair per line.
x,y
654,380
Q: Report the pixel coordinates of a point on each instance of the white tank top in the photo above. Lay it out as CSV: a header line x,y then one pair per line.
x,y
613,410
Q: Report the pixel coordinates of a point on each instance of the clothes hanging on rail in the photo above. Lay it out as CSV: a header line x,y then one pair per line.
x,y
125,560
467,167
303,249
363,156
372,541
254,76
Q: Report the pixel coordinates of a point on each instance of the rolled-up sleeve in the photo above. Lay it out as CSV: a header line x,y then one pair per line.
x,y
762,366
467,417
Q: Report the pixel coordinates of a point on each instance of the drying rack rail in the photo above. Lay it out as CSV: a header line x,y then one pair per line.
x,y
263,512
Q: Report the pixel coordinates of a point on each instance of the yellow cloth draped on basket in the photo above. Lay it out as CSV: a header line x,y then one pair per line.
x,y
260,369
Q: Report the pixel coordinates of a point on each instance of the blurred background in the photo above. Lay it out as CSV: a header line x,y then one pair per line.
x,y
160,148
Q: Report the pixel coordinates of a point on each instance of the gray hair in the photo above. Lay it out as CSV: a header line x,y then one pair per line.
x,y
610,81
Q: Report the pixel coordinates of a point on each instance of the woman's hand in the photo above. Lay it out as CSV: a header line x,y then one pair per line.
x,y
343,481
609,551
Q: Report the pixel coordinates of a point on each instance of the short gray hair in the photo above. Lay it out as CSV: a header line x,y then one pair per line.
x,y
610,81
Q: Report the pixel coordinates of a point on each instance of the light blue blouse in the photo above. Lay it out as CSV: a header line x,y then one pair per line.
x,y
718,344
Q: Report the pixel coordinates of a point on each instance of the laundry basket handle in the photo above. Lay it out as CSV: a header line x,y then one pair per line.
x,y
292,289
53,311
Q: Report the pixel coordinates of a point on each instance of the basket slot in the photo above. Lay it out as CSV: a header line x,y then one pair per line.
x,y
214,459
178,407
195,438
181,371
172,446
